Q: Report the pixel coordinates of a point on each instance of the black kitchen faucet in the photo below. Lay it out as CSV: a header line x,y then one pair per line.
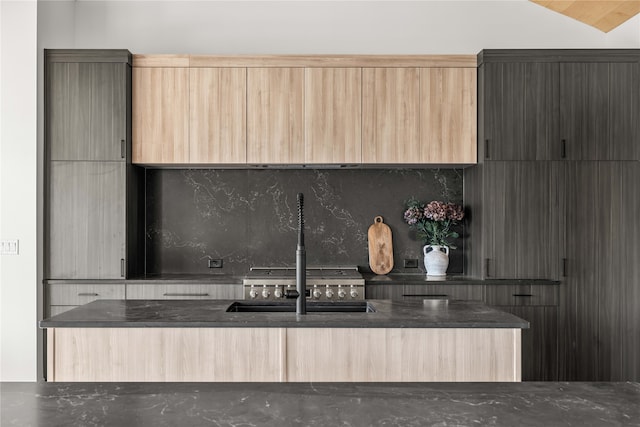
x,y
301,264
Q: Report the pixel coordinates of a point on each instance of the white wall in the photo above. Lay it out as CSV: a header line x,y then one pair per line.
x,y
219,27
326,27
18,172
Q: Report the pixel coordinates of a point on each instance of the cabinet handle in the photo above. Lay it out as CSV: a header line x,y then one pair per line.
x,y
563,149
123,148
486,148
178,294
486,267
87,294
564,267
523,295
122,267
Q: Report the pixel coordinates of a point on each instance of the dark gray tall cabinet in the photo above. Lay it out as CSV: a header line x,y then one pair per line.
x,y
556,191
92,192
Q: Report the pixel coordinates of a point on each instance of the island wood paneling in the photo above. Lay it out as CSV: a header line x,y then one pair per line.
x,y
391,115
402,354
448,115
283,355
217,115
275,115
160,115
165,354
333,118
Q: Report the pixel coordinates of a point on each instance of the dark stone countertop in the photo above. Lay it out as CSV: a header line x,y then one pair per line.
x,y
212,314
423,279
320,404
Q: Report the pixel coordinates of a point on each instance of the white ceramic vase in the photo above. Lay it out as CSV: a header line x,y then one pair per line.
x,y
436,260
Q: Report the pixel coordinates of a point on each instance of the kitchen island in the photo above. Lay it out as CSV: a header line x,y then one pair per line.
x,y
178,340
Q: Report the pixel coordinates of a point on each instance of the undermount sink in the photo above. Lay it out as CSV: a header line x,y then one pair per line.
x,y
312,307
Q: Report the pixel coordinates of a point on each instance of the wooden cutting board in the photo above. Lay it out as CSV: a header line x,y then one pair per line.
x,y
380,247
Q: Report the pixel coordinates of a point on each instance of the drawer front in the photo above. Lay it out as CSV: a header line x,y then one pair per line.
x,y
174,291
514,295
78,294
454,292
393,292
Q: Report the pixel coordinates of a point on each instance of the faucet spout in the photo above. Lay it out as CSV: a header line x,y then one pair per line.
x,y
301,261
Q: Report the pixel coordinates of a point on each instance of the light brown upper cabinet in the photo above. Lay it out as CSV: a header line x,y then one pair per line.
x,y
218,115
333,115
390,115
275,118
448,115
160,115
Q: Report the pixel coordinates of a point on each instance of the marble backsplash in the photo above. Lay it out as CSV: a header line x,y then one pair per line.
x,y
249,217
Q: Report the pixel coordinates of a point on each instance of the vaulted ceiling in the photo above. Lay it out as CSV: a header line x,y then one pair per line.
x,y
604,15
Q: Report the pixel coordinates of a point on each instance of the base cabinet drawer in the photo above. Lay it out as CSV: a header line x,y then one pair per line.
x,y
515,295
177,291
83,293
454,292
392,292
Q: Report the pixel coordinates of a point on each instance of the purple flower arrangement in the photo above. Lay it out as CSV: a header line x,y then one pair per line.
x,y
433,221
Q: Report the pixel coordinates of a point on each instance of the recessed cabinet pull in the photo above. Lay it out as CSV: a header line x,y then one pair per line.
x,y
564,267
122,267
486,148
563,148
523,295
486,267
123,148
178,294
87,294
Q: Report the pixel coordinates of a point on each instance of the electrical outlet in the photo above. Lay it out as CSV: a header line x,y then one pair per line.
x,y
9,247
215,263
410,263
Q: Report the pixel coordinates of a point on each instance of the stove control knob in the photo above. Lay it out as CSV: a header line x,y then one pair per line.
x,y
266,293
253,293
329,293
354,293
316,293
341,293
278,293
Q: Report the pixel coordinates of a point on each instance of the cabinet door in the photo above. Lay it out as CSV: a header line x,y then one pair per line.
x,y
448,115
578,330
333,115
87,111
521,220
539,342
160,115
584,110
218,118
624,110
86,220
275,117
519,106
390,115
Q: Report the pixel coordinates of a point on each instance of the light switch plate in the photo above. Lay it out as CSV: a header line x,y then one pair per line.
x,y
9,247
